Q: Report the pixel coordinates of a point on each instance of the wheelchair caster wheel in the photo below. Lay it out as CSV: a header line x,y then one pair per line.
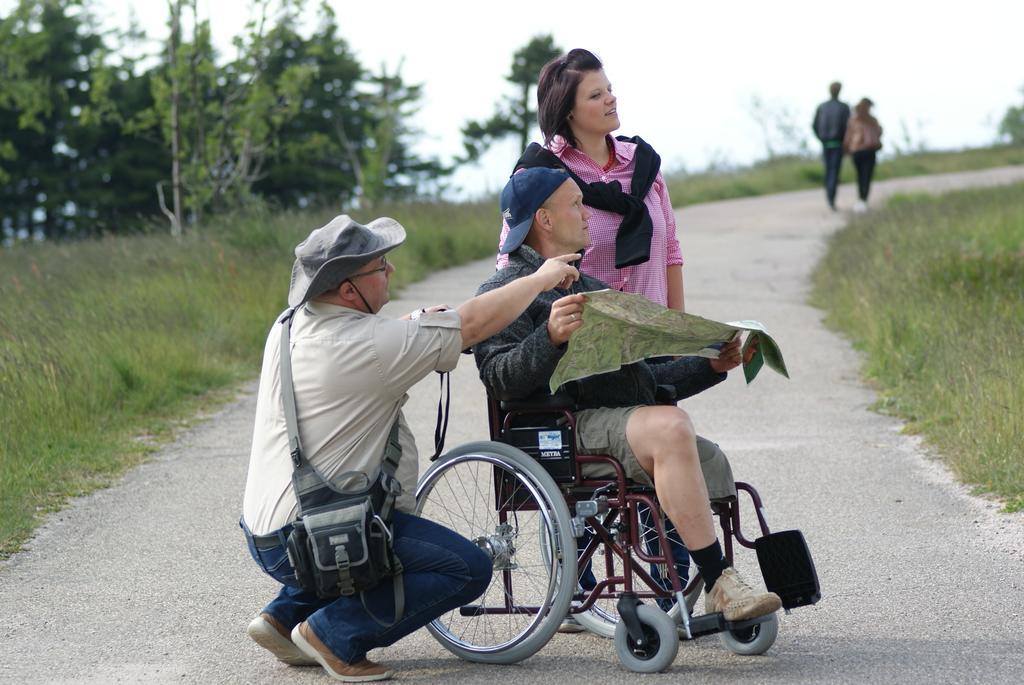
x,y
661,643
602,618
756,639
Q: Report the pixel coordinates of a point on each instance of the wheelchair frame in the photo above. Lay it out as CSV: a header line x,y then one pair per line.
x,y
646,638
629,497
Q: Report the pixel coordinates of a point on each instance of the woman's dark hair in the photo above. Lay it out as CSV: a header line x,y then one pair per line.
x,y
556,92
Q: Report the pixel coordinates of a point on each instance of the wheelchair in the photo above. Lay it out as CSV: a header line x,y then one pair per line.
x,y
522,497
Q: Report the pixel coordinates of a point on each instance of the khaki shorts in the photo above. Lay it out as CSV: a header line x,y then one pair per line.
x,y
603,431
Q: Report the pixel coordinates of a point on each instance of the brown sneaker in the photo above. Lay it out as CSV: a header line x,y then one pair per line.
x,y
268,633
359,672
738,601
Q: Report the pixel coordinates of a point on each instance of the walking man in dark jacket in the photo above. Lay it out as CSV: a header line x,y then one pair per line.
x,y
830,127
618,414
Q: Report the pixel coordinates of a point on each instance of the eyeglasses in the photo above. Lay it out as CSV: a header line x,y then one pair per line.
x,y
372,271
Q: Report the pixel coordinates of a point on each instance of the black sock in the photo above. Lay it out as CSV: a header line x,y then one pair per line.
x,y
711,563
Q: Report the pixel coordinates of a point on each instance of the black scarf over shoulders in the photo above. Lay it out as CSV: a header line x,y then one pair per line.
x,y
633,239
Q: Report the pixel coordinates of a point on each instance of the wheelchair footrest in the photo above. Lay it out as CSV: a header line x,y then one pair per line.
x,y
787,568
709,624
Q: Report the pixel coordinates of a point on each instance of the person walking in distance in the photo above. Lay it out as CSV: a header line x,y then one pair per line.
x,y
862,142
829,126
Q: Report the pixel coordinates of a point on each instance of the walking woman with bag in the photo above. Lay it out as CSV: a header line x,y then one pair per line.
x,y
862,141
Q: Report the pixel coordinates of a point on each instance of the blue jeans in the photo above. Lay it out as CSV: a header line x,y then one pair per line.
x,y
833,161
442,571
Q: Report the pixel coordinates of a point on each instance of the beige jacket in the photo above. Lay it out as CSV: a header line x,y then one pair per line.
x,y
862,133
351,371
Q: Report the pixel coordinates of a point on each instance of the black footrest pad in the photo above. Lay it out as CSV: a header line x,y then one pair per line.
x,y
787,568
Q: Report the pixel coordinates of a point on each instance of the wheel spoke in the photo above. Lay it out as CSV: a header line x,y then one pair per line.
x,y
460,493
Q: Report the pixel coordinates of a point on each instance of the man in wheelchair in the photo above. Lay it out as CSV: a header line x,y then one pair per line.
x,y
617,412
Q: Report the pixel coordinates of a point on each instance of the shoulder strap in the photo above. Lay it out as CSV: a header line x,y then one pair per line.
x,y
288,389
311,488
444,402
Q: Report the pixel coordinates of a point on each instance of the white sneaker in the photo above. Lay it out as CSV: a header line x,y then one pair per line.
x,y
859,207
570,625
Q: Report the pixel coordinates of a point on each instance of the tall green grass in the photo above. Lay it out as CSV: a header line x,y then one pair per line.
x,y
932,290
103,342
785,174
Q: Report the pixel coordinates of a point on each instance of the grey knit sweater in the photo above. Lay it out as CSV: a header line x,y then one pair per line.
x,y
518,362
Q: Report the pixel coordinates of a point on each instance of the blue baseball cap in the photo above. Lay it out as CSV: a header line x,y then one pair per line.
x,y
523,195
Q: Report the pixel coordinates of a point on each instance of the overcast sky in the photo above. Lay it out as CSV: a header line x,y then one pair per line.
x,y
685,72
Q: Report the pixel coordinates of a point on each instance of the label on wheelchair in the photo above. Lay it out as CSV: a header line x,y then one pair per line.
x,y
552,446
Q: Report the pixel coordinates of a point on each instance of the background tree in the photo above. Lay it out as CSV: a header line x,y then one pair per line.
x,y
1012,125
514,115
24,101
227,119
380,151
312,166
781,129
68,168
351,139
47,52
87,136
127,166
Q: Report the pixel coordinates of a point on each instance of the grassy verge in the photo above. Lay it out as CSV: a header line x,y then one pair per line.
x,y
780,175
104,343
932,290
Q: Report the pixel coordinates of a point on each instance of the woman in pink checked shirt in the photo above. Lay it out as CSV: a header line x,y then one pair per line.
x,y
633,228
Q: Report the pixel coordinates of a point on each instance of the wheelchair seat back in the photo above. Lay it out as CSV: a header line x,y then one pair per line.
x,y
543,428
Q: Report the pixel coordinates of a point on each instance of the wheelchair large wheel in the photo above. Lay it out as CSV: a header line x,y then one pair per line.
x,y
498,497
660,638
756,639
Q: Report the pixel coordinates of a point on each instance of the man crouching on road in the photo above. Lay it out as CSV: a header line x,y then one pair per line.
x,y
351,369
618,414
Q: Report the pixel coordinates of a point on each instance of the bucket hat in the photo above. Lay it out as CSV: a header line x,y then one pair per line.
x,y
334,252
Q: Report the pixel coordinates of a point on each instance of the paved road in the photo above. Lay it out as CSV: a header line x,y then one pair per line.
x,y
148,581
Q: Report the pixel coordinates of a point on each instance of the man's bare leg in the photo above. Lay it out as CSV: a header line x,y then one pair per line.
x,y
665,445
